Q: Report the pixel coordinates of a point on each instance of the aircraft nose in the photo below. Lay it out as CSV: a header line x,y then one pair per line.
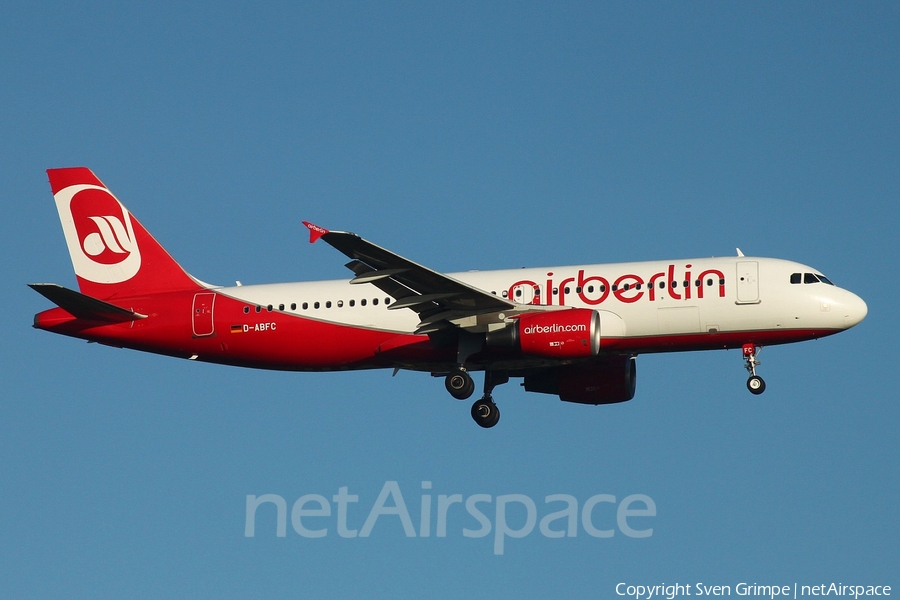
x,y
855,310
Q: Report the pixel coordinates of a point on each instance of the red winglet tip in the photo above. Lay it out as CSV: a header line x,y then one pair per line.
x,y
315,232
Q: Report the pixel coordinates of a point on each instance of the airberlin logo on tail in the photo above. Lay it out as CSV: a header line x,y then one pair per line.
x,y
99,234
111,237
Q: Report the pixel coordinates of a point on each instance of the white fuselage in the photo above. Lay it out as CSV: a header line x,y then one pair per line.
x,y
734,294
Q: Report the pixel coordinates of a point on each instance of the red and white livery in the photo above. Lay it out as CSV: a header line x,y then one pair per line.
x,y
571,331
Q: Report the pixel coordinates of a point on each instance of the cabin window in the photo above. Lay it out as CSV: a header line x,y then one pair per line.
x,y
567,289
374,301
590,289
258,308
722,281
305,305
504,294
795,278
662,285
362,302
340,304
246,310
709,281
387,301
269,308
293,306
328,304
281,307
315,305
352,303
518,293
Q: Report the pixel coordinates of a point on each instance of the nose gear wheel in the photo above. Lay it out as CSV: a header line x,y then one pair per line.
x,y
755,383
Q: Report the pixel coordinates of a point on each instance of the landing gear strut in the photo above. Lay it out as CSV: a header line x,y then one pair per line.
x,y
484,411
755,384
460,384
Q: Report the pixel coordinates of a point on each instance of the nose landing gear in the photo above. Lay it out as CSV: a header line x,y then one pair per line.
x,y
755,383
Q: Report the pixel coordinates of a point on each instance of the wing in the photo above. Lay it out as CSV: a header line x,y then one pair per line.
x,y
439,300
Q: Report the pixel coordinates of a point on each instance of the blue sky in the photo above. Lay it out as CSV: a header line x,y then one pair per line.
x,y
461,135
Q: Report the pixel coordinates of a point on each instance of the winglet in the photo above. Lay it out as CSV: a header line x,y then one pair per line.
x,y
315,232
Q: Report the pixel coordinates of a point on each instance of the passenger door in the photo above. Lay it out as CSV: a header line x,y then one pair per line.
x,y
748,282
203,314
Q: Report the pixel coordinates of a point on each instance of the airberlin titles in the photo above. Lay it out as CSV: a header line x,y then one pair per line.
x,y
628,288
554,328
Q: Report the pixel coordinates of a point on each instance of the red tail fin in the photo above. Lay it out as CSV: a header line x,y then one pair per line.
x,y
113,255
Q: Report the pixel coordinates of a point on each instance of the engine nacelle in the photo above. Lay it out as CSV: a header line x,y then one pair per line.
x,y
573,333
607,382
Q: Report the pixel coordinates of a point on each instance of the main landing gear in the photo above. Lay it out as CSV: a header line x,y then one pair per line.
x,y
460,385
485,412
755,384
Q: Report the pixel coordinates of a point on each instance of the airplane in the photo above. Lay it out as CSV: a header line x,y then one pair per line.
x,y
569,331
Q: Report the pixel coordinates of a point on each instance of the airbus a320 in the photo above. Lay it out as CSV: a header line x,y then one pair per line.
x,y
569,331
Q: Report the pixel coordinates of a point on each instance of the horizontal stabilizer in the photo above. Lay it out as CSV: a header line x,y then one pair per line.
x,y
82,306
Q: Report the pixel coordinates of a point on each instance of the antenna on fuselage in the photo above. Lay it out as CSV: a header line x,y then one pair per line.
x,y
739,252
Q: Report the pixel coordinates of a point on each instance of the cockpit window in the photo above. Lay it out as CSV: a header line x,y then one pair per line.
x,y
824,279
810,278
796,277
